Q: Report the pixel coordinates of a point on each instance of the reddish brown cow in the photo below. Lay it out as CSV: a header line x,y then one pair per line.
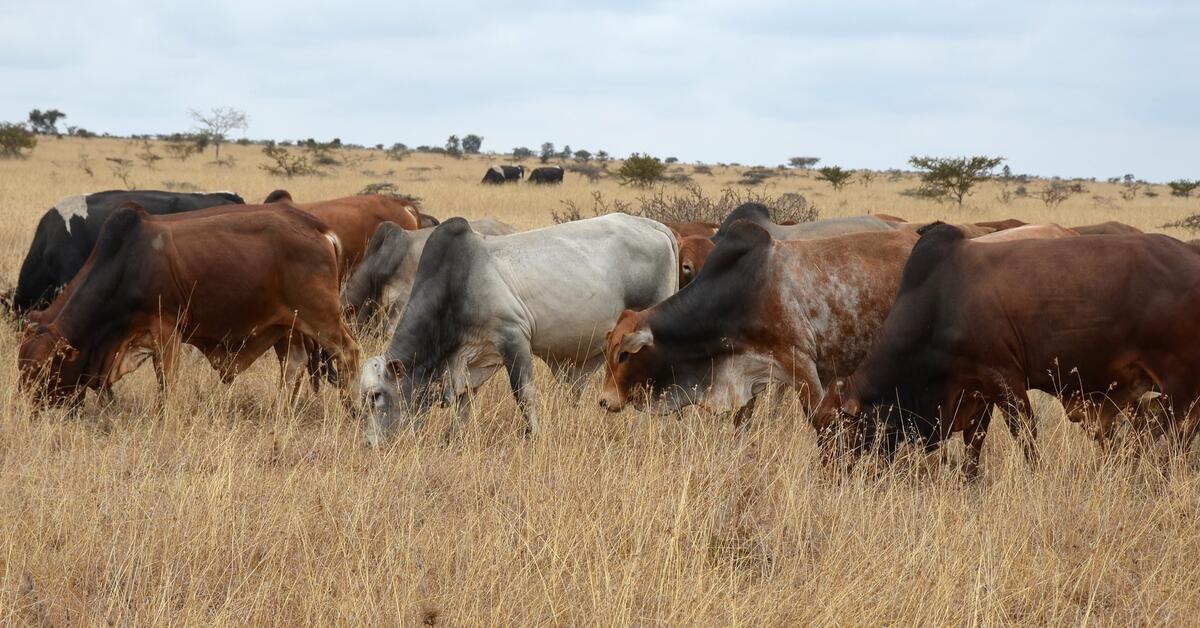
x,y
695,228
354,219
231,283
1098,320
798,312
693,250
1111,227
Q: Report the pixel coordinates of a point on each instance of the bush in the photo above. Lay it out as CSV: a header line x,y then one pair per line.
x,y
572,212
755,176
122,169
148,156
1190,223
285,164
15,139
951,178
836,176
1055,193
803,163
690,204
471,143
1183,187
593,173
547,152
641,170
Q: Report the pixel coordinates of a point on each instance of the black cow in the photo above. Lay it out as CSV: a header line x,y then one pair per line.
x,y
546,174
503,174
67,232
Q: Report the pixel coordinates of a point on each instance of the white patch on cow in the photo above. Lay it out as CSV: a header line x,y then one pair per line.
x,y
737,378
498,170
372,377
157,242
72,206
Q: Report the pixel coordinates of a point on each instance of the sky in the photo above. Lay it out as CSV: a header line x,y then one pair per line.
x,y
1073,89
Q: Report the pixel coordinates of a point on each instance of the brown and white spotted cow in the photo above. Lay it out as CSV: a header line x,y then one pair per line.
x,y
761,310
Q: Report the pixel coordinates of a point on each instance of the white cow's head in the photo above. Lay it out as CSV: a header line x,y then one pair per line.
x,y
393,398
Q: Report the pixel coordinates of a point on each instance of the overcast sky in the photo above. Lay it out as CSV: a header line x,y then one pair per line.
x,y
1059,88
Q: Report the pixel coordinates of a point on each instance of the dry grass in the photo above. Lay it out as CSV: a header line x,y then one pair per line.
x,y
225,507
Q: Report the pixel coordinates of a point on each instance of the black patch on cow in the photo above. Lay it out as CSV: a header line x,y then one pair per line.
x,y
432,326
546,174
704,322
56,255
756,213
278,195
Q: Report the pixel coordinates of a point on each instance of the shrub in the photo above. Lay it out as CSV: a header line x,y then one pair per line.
x,y
1055,193
285,164
836,176
702,169
15,139
122,169
471,143
522,152
1130,187
641,170
547,152
148,156
593,173
691,204
755,176
583,156
1183,187
1189,223
951,178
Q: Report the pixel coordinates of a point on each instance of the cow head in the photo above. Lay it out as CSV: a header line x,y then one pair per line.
x,y
50,368
693,250
637,372
394,398
836,420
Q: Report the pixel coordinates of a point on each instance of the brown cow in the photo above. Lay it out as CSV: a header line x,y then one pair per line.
x,y
693,250
354,219
799,312
1096,319
694,228
231,283
1001,225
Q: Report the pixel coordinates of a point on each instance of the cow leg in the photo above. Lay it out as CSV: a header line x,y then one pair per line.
x,y
518,361
741,416
166,362
973,437
1022,424
293,364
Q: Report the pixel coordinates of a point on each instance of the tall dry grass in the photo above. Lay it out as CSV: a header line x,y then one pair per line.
x,y
223,505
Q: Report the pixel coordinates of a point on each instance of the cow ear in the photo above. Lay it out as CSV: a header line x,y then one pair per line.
x,y
636,340
396,368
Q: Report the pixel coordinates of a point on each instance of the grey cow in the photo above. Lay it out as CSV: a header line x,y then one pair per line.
x,y
482,303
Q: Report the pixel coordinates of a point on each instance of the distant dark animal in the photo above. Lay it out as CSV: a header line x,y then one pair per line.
x,y
231,283
383,282
67,232
1098,320
503,174
354,219
762,311
480,304
546,174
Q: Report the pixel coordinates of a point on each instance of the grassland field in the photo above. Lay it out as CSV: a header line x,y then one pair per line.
x,y
226,506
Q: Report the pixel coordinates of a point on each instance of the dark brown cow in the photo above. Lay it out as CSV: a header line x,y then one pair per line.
x,y
1111,227
1097,319
231,283
354,219
762,310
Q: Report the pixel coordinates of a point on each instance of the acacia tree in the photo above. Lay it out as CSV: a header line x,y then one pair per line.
x,y
951,178
836,176
803,163
217,123
45,122
547,152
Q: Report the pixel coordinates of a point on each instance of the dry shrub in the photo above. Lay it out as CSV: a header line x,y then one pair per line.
x,y
691,204
593,173
572,212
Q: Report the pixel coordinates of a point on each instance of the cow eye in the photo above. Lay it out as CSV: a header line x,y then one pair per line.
x,y
622,356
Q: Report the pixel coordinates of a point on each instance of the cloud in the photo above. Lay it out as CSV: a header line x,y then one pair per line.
x,y
1069,88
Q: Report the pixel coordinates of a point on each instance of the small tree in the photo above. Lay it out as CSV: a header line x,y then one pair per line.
x,y
602,156
217,123
45,122
671,160
1130,186
836,176
641,170
122,169
583,156
148,156
14,140
471,143
1183,187
453,146
547,152
803,163
1055,193
951,178
521,152
865,177
565,153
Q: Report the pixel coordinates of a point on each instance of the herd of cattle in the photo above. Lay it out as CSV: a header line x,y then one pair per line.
x,y
513,174
891,331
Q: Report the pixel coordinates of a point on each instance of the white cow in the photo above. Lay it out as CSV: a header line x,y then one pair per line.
x,y
480,303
